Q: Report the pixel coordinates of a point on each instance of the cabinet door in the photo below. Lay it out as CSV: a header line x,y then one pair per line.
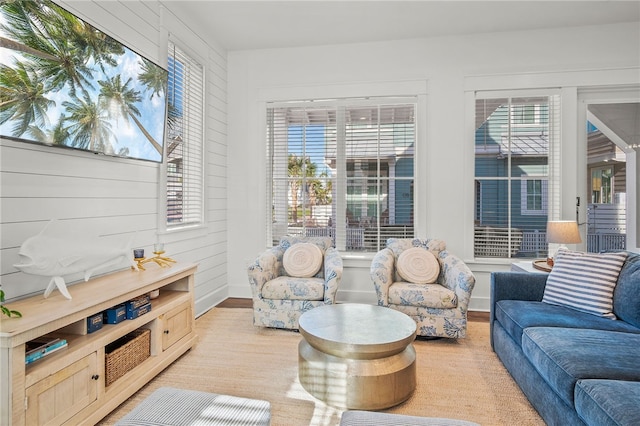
x,y
58,397
177,323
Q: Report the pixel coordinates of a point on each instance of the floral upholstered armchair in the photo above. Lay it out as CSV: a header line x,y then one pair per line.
x,y
280,297
439,308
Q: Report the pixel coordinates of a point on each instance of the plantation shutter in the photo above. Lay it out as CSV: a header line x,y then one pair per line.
x,y
185,139
516,174
342,169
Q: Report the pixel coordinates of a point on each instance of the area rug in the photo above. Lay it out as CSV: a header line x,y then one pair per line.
x,y
460,379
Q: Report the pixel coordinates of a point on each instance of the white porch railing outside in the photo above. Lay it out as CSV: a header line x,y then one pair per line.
x,y
489,243
358,239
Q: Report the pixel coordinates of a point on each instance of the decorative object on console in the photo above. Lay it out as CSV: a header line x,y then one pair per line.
x,y
159,259
562,232
55,253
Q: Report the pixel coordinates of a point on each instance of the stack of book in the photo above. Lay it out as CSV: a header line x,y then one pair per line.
x,y
41,347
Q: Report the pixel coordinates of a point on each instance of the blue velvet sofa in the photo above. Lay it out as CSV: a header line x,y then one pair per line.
x,y
574,367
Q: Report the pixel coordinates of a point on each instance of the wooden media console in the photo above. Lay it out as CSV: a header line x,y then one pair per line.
x,y
68,386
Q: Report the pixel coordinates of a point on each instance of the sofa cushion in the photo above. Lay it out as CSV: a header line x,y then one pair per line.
x,y
417,265
584,281
626,296
290,288
563,356
608,402
516,315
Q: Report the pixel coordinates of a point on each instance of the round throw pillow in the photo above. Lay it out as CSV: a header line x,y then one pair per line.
x,y
302,260
417,265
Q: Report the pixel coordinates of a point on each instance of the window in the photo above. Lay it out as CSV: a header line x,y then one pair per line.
x,y
601,185
342,169
533,197
185,139
516,174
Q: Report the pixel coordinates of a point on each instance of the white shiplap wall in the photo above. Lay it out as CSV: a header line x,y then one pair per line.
x,y
118,198
452,68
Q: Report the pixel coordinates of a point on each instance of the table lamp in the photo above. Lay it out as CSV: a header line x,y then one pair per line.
x,y
562,232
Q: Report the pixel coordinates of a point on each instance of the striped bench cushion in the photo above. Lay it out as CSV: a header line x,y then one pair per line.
x,y
370,418
180,407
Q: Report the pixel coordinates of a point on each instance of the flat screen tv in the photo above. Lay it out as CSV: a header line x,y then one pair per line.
x,y
65,83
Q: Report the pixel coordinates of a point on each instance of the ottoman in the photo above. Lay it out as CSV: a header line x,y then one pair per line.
x,y
368,418
180,407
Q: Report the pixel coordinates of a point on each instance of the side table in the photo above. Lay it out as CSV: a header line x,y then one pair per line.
x,y
525,267
357,356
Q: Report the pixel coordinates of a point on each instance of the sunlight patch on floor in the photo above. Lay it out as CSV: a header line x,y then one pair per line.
x,y
323,415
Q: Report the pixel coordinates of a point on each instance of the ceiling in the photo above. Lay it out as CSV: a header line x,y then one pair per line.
x,y
619,122
264,24
242,25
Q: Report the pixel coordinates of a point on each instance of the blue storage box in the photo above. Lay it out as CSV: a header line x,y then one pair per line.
x,y
137,302
136,312
115,315
94,323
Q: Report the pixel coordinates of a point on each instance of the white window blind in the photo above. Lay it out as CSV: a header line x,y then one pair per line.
x,y
516,174
185,139
342,169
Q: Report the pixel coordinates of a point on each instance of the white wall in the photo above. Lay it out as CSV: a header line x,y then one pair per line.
x,y
118,198
452,68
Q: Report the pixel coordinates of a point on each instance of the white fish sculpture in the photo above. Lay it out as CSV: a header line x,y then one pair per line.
x,y
51,255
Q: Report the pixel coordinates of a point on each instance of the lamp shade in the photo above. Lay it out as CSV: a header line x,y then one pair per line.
x,y
563,232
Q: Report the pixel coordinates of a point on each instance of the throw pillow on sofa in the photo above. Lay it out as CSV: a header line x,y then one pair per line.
x,y
584,281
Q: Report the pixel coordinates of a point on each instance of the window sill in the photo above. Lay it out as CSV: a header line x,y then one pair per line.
x,y
183,232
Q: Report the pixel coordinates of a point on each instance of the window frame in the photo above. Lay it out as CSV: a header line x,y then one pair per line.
x,y
199,226
340,181
553,179
417,88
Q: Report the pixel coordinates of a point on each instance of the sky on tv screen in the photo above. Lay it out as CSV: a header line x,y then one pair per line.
x,y
43,102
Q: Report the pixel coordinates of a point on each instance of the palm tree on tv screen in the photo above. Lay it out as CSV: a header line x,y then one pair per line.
x,y
57,52
56,135
119,100
22,95
89,127
45,35
153,77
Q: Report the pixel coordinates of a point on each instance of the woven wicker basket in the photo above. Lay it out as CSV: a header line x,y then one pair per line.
x,y
126,353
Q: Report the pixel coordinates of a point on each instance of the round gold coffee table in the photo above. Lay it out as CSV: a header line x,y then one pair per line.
x,y
357,356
